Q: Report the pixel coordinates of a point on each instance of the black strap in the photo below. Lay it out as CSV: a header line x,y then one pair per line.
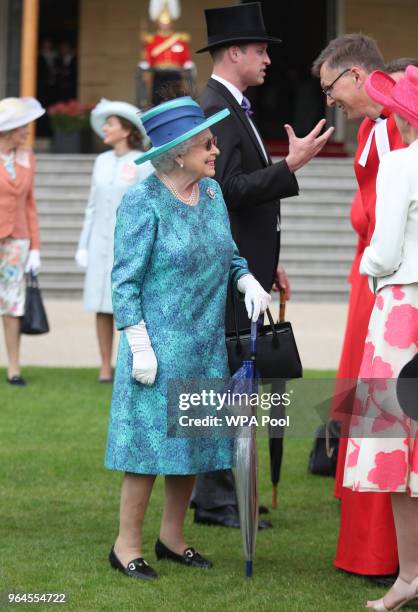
x,y
31,279
235,317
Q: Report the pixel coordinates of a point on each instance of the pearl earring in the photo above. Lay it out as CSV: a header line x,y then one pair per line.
x,y
181,164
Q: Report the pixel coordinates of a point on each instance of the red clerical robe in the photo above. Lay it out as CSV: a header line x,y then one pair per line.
x,y
367,539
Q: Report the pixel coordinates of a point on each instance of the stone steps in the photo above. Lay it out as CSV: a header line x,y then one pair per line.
x,y
318,242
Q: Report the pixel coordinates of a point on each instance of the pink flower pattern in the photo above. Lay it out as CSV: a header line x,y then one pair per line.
x,y
379,302
390,471
397,292
383,450
402,326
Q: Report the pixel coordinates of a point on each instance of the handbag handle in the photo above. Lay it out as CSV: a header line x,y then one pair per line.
x,y
31,279
235,317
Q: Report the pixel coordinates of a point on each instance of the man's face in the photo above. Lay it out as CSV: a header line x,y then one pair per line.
x,y
344,89
252,64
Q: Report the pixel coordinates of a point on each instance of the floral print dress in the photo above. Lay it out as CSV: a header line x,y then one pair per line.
x,y
382,452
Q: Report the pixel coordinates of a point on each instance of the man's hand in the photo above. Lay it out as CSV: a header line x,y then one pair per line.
x,y
302,150
281,281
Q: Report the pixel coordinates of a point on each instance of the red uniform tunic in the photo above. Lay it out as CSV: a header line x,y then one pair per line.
x,y
367,539
167,51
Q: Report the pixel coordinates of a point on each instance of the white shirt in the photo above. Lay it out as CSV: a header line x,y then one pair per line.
x,y
392,257
238,95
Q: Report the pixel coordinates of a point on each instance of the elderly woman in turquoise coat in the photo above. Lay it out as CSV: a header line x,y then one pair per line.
x,y
174,258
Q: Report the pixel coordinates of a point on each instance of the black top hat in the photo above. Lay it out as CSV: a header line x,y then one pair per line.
x,y
238,23
407,388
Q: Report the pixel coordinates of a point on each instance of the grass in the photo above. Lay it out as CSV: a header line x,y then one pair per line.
x,y
59,508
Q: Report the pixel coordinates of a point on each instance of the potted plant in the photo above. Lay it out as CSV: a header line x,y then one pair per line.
x,y
70,123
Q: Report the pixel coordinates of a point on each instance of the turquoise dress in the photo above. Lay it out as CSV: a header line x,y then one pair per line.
x,y
171,268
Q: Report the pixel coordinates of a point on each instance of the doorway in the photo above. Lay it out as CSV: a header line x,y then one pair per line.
x,y
57,73
290,94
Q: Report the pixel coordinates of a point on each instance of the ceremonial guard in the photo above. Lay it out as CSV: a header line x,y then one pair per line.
x,y
166,53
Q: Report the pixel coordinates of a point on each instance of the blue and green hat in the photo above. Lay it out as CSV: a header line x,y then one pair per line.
x,y
171,123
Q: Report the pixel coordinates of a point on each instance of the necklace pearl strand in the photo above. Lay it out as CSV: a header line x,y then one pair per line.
x,y
191,200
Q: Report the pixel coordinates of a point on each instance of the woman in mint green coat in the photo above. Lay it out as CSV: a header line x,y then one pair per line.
x,y
174,257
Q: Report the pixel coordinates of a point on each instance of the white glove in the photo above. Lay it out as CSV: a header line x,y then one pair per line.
x,y
144,364
33,262
256,299
81,258
144,65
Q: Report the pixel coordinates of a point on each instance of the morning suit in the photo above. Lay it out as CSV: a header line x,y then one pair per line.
x,y
252,187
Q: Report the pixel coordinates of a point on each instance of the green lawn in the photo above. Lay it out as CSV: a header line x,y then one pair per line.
x,y
59,509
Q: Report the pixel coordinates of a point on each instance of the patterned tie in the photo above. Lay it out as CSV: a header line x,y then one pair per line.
x,y
246,105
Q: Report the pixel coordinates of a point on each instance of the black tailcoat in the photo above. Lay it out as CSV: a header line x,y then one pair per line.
x,y
251,184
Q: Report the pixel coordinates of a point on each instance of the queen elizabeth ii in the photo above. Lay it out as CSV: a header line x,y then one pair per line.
x,y
174,258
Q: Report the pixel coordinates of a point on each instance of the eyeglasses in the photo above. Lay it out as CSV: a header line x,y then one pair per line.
x,y
210,142
327,90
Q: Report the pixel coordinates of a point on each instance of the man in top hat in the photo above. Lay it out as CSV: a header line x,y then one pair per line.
x,y
252,185
367,540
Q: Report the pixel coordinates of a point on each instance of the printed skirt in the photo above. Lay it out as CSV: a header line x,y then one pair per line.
x,y
382,451
13,256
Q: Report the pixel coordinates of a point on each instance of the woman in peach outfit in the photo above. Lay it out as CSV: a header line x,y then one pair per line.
x,y
19,231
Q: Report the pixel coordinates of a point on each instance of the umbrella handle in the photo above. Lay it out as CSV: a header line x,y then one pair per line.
x,y
274,497
248,569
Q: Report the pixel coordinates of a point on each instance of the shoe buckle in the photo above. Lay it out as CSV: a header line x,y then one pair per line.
x,y
132,566
189,552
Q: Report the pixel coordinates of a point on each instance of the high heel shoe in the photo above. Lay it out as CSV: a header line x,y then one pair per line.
x,y
406,590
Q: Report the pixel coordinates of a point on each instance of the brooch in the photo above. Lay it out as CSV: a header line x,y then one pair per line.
x,y
210,192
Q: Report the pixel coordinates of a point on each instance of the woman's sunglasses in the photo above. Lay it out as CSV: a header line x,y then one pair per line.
x,y
211,142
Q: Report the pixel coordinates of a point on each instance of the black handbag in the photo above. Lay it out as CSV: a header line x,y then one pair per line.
x,y
34,321
324,454
277,353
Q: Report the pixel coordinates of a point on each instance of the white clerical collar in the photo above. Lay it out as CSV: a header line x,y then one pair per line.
x,y
238,95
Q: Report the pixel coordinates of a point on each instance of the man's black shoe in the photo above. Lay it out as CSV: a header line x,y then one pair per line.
x,y
189,557
137,568
227,516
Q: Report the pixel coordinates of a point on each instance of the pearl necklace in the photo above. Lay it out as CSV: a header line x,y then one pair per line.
x,y
191,200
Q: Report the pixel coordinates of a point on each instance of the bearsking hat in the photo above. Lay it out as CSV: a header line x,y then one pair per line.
x,y
106,108
400,97
17,112
173,122
236,24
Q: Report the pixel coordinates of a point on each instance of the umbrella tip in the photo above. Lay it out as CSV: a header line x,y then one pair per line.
x,y
248,569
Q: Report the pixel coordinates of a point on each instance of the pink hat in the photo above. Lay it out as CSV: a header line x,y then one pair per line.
x,y
400,97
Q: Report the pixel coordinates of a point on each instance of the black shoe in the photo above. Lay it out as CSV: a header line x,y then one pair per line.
x,y
263,509
190,556
16,380
384,581
227,516
137,568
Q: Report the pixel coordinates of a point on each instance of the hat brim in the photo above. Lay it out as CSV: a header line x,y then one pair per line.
x,y
98,117
156,151
230,41
21,121
379,87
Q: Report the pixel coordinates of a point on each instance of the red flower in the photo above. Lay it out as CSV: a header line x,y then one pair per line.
x,y
390,471
402,326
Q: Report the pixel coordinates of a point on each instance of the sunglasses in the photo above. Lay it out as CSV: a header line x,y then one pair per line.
x,y
210,142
